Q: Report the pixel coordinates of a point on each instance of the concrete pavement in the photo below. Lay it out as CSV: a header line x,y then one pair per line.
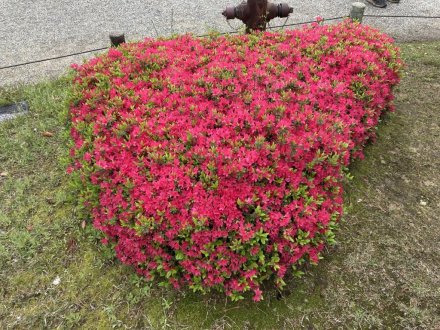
x,y
35,29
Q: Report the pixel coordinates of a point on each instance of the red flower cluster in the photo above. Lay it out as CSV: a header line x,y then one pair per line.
x,y
217,162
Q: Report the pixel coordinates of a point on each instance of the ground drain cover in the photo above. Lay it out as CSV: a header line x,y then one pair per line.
x,y
13,110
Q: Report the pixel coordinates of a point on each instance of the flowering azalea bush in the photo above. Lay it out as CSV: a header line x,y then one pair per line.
x,y
217,162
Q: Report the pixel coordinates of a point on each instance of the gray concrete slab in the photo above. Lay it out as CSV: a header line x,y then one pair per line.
x,y
13,110
34,29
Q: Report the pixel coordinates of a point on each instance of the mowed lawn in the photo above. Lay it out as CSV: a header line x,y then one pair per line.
x,y
383,273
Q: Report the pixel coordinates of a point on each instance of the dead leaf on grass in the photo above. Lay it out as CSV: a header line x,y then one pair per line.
x,y
47,134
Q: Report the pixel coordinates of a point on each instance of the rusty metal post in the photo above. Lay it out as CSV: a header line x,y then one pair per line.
x,y
256,20
256,13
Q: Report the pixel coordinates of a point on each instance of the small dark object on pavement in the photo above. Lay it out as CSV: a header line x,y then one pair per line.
x,y
116,39
378,3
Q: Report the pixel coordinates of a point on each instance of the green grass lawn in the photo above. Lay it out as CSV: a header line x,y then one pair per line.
x,y
383,273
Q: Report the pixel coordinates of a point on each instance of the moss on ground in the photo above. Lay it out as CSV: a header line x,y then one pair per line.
x,y
384,272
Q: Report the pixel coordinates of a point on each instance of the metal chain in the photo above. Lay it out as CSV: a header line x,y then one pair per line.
x,y
234,29
284,24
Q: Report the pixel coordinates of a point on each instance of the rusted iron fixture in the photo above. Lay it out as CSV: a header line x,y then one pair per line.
x,y
256,13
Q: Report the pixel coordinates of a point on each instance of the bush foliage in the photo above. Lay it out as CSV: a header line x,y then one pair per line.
x,y
218,162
